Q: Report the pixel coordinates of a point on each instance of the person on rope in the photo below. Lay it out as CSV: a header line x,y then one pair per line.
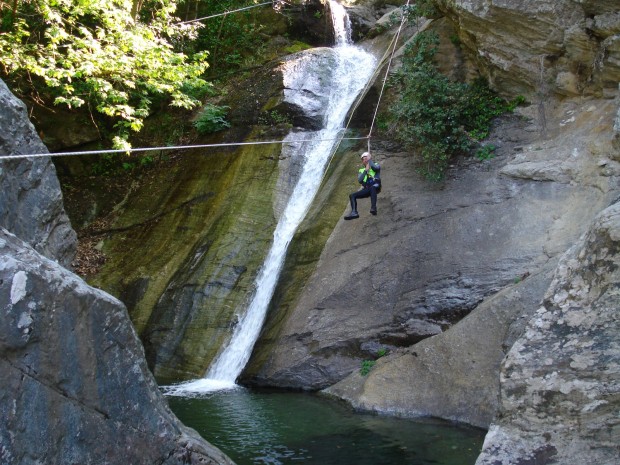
x,y
370,178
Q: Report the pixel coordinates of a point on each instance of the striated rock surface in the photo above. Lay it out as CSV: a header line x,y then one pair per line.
x,y
560,382
544,48
185,248
453,375
30,198
306,81
76,388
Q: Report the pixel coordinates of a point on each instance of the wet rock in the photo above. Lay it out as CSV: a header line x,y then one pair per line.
x,y
31,204
436,251
306,79
454,374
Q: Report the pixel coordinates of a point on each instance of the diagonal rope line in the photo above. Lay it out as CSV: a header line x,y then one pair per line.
x,y
387,71
393,45
225,13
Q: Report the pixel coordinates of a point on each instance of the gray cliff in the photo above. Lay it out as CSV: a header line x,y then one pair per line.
x,y
30,197
75,384
449,277
560,380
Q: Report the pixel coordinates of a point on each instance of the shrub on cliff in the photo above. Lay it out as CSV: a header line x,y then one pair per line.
x,y
437,117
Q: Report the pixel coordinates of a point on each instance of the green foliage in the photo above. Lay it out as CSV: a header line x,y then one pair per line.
x,y
436,116
486,152
212,118
230,39
366,367
421,8
297,46
273,118
114,164
101,53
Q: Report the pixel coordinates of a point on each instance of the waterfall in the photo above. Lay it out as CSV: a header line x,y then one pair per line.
x,y
353,70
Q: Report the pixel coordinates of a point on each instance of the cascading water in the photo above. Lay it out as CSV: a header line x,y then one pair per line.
x,y
354,68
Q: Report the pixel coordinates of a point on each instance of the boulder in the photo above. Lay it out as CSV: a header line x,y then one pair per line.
x,y
306,77
76,388
453,375
559,382
31,205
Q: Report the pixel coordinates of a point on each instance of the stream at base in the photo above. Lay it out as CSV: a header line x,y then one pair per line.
x,y
281,428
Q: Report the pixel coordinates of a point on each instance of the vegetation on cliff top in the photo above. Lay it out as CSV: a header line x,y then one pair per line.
x,y
116,57
437,117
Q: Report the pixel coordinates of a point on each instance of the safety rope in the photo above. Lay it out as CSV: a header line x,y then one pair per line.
x,y
225,13
387,71
392,45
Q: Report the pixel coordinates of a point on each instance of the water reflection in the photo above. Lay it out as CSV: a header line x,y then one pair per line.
x,y
281,428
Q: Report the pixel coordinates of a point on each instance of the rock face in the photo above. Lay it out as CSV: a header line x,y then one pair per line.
x,y
76,388
30,198
305,94
545,48
435,252
445,277
453,375
223,207
559,382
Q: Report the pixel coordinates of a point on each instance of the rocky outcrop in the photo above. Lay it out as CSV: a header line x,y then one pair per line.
x,y
306,80
31,204
559,382
223,206
544,48
76,388
453,375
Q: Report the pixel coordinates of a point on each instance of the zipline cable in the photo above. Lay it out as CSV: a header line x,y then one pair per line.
x,y
387,71
359,100
169,147
225,13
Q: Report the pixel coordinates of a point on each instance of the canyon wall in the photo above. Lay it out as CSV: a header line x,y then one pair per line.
x,y
75,384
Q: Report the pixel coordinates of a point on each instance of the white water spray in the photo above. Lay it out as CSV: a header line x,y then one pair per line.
x,y
354,69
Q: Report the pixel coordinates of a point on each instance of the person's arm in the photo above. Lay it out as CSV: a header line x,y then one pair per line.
x,y
375,166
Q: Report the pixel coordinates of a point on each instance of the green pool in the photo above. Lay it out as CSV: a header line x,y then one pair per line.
x,y
280,428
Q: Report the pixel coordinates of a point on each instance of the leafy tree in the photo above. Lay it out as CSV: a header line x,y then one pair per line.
x,y
116,56
229,37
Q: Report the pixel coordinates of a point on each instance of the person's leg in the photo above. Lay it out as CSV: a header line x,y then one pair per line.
x,y
373,200
361,194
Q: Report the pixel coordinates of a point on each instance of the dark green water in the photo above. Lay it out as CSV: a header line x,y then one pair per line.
x,y
281,428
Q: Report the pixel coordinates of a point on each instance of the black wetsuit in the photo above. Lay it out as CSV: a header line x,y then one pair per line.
x,y
370,179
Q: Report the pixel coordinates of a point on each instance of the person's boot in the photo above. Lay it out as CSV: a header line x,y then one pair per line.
x,y
373,211
351,216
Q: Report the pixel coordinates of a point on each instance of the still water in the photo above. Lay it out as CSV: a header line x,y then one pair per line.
x,y
281,428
